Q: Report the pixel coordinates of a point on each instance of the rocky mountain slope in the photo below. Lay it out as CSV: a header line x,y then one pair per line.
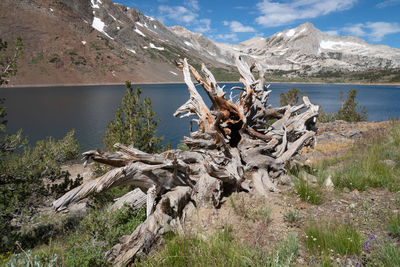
x,y
305,48
98,41
92,42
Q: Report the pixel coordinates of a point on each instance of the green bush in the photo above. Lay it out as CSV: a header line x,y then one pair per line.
x,y
8,59
28,179
54,58
290,98
97,233
349,109
87,245
134,124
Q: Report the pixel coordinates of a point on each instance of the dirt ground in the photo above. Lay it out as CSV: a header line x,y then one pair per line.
x,y
367,211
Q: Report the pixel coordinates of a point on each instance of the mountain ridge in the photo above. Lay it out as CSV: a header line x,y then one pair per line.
x,y
98,41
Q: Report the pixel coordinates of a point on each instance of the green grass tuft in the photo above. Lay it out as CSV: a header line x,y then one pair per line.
x,y
393,225
339,238
307,192
292,216
386,254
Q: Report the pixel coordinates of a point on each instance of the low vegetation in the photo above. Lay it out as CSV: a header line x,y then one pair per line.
x,y
349,111
308,192
29,179
221,249
393,225
373,164
333,237
135,123
86,245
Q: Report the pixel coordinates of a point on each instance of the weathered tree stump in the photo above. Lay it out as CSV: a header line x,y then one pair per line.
x,y
233,137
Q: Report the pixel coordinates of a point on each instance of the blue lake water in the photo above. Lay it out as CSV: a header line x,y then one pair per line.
x,y
52,111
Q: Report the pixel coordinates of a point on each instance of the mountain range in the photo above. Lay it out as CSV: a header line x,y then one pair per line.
x,y
98,41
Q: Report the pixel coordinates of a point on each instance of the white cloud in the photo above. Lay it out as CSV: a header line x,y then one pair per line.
x,y
374,31
177,13
388,3
236,26
227,37
203,26
192,4
378,30
277,14
356,29
333,33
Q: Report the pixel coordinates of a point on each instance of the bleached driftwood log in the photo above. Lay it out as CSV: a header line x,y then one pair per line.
x,y
232,137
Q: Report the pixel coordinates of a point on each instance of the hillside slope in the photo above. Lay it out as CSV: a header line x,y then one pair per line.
x,y
91,42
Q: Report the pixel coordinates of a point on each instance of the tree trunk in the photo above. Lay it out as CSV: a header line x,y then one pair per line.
x,y
233,137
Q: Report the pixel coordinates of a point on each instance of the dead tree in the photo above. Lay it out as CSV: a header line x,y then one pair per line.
x,y
233,137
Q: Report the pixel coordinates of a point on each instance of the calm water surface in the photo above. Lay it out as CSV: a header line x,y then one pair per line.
x,y
52,111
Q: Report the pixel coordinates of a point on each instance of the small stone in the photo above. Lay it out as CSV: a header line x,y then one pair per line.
x,y
352,205
355,133
79,209
390,163
284,179
308,177
346,190
328,184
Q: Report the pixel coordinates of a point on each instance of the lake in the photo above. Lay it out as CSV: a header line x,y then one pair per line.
x,y
52,111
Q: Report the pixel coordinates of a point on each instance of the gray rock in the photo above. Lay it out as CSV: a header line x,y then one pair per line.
x,y
308,177
284,179
355,133
328,184
79,209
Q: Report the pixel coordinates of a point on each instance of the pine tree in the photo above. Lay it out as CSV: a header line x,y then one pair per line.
x,y
8,63
349,108
135,123
290,98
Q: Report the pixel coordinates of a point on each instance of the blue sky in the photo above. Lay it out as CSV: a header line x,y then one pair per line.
x,y
234,21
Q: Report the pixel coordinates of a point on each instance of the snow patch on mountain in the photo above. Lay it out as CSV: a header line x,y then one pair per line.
x,y
95,5
338,45
99,25
290,33
156,47
131,50
139,32
188,44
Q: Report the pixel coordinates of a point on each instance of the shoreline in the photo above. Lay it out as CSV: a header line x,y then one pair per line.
x,y
149,83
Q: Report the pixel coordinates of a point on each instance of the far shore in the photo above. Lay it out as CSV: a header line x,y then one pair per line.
x,y
139,83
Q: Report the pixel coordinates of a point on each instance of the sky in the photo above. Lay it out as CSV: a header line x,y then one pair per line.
x,y
234,21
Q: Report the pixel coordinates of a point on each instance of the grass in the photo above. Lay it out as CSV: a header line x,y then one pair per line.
x,y
292,216
220,249
386,254
307,192
366,164
328,237
367,168
262,213
393,226
86,246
